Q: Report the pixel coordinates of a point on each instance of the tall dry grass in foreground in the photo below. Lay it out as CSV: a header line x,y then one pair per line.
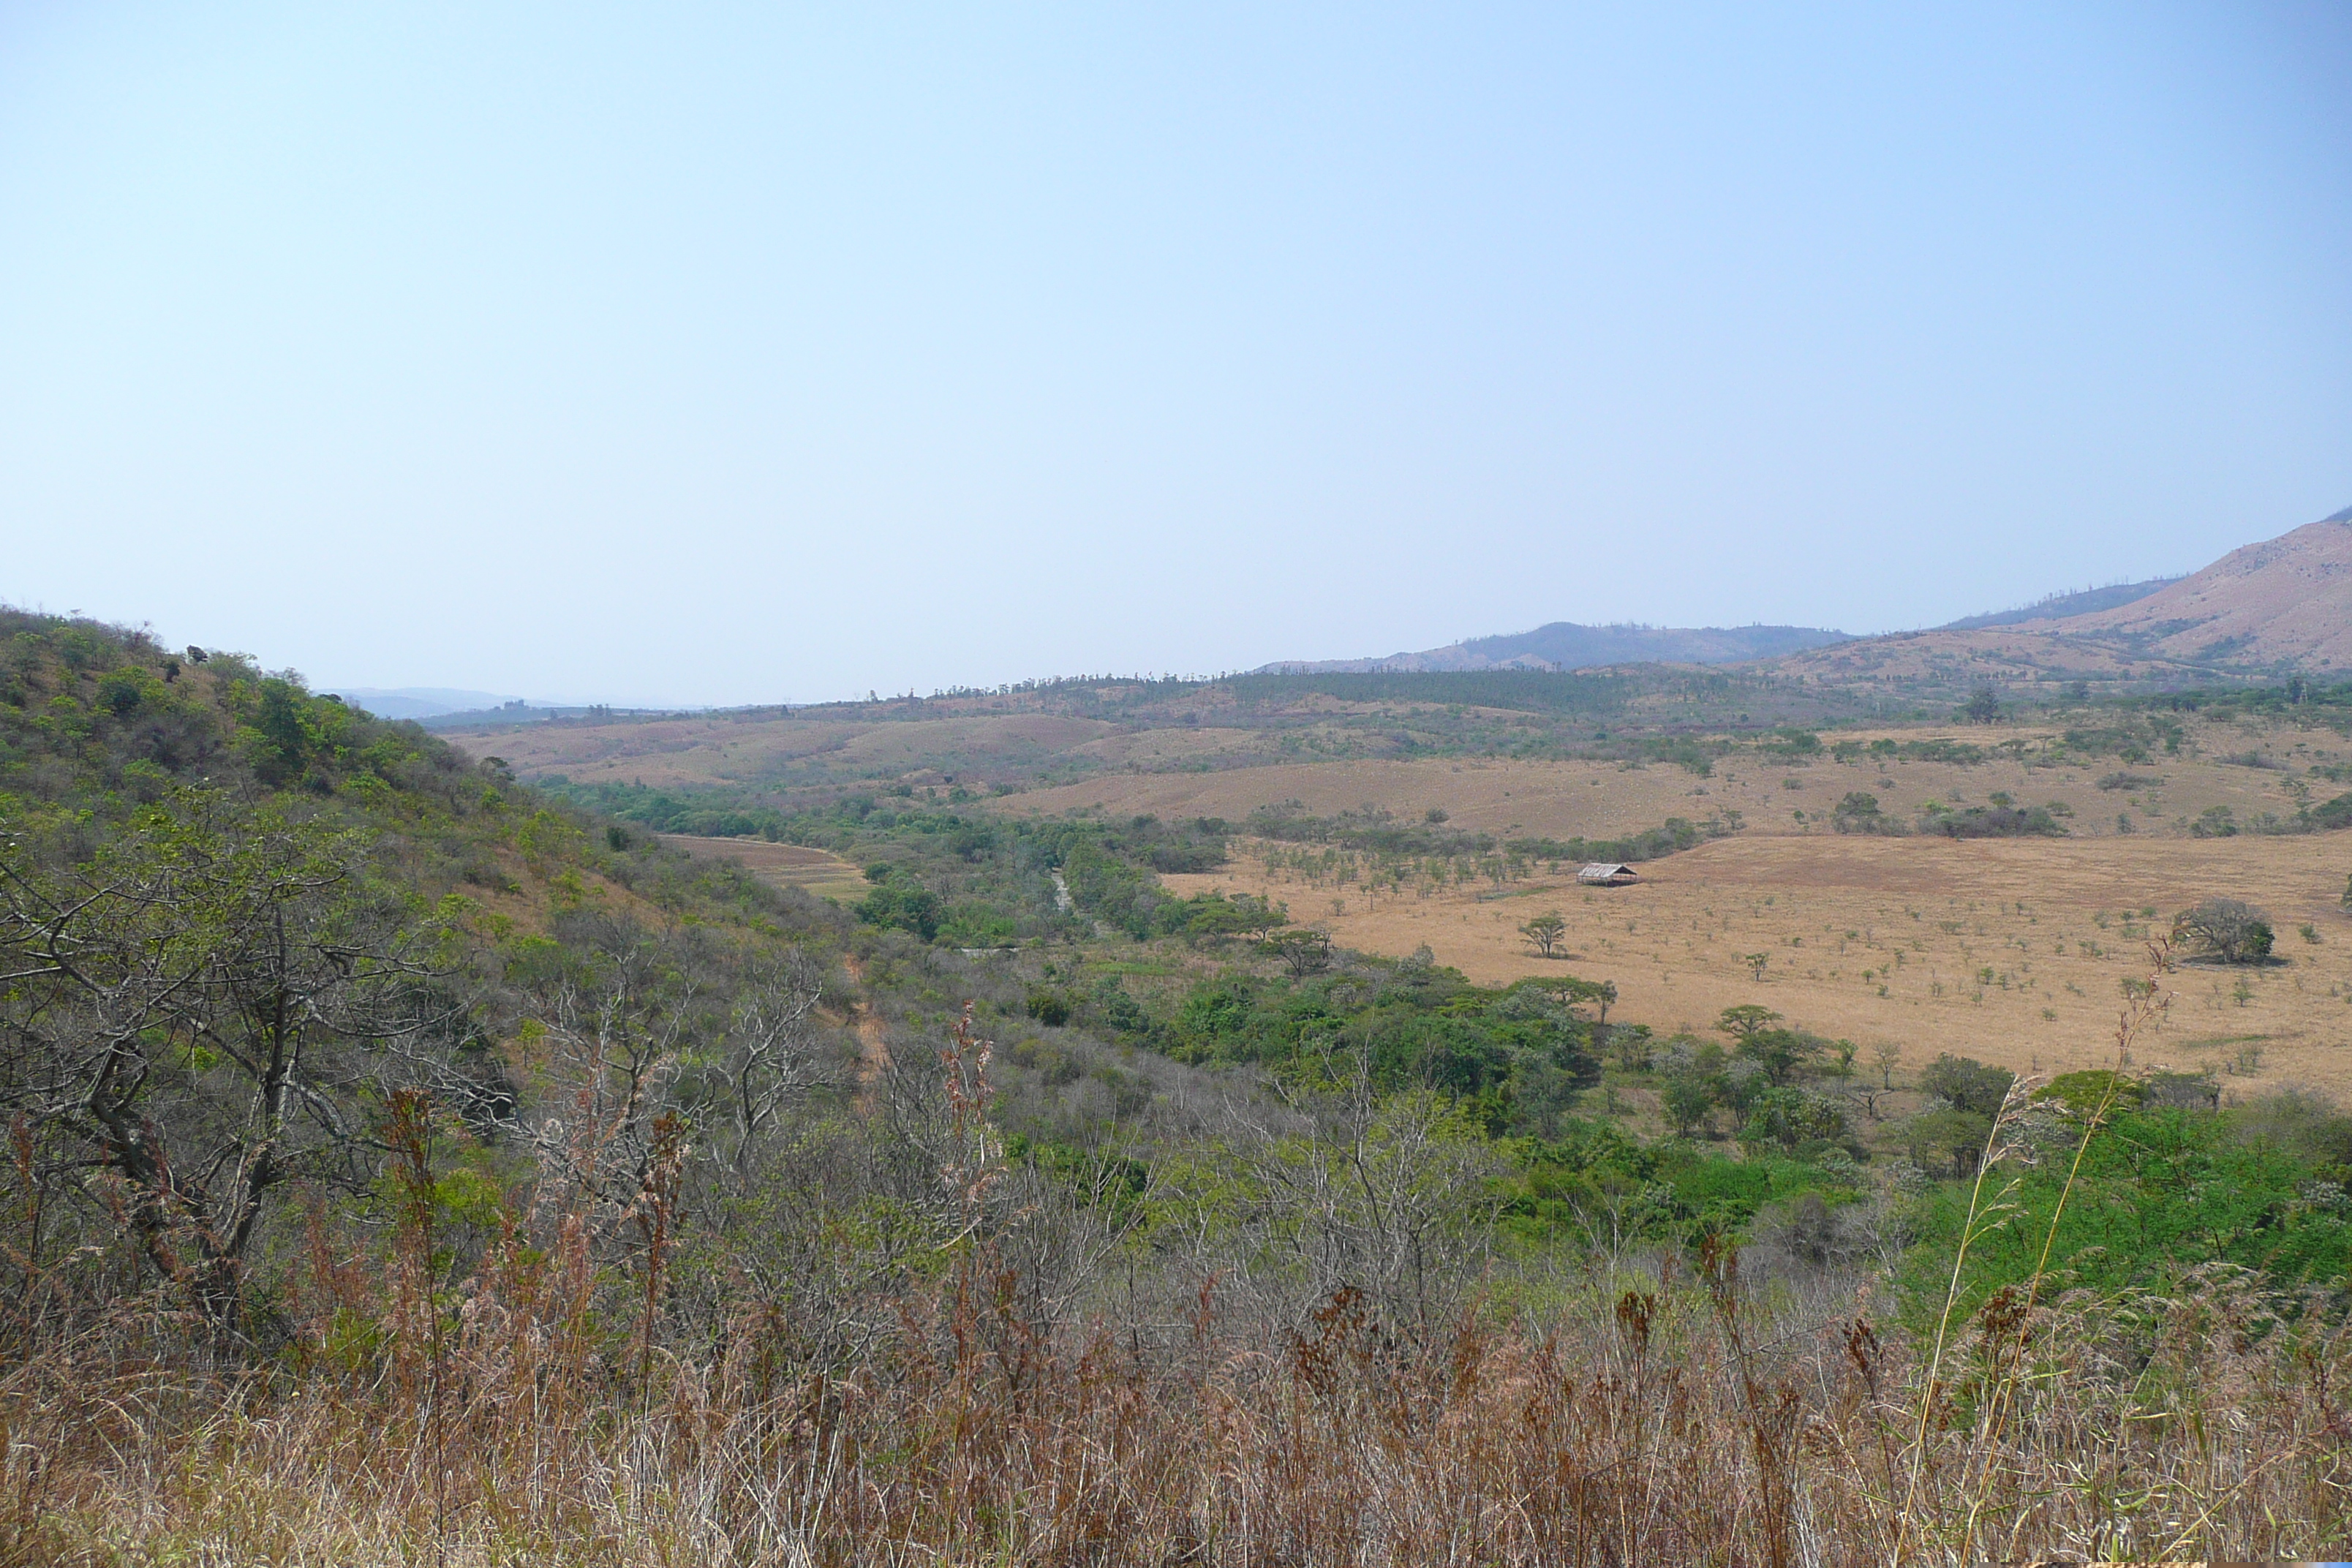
x,y
1681,1423
543,1410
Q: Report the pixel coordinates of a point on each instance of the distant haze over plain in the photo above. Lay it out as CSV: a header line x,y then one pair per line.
x,y
728,355
420,703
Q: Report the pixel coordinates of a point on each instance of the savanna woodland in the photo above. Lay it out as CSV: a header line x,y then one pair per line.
x,y
406,1164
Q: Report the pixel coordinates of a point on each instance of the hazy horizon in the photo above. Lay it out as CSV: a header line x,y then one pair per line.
x,y
745,356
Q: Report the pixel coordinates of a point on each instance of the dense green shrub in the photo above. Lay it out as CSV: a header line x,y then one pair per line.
x,y
2162,1191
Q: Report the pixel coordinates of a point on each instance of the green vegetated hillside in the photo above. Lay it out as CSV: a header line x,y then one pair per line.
x,y
408,1159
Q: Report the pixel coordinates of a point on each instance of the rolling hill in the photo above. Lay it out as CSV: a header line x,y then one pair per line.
x,y
2277,608
2285,604
2058,606
1565,644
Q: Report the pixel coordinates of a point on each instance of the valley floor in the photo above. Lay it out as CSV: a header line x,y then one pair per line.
x,y
1890,940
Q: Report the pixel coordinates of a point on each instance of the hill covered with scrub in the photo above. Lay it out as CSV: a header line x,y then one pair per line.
x,y
410,1163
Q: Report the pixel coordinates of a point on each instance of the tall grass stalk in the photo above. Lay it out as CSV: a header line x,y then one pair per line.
x,y
2146,1005
1983,1217
1653,1437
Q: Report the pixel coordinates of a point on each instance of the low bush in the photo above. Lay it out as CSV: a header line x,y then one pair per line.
x,y
1992,822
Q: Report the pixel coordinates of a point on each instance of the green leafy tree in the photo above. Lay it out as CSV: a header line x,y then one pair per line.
x,y
1302,952
1859,812
1574,992
1780,1052
2333,814
1686,1097
1965,1084
2228,930
1746,1019
1954,1137
1211,917
1790,1117
901,906
1546,931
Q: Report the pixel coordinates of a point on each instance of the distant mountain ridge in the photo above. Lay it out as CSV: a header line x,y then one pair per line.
x,y
441,707
2282,607
1565,644
2285,604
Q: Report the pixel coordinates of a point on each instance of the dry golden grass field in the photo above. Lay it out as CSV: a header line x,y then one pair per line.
x,y
2010,951
2013,950
779,865
1597,799
1953,661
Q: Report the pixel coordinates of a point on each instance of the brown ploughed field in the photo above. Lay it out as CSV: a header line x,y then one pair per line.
x,y
779,865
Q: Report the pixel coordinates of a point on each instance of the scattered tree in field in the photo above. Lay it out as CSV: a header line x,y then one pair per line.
x,y
1859,813
2229,930
1756,962
1546,931
1983,705
1886,1056
1748,1018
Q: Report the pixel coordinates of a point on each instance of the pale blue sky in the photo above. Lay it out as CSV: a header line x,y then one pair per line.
x,y
699,354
